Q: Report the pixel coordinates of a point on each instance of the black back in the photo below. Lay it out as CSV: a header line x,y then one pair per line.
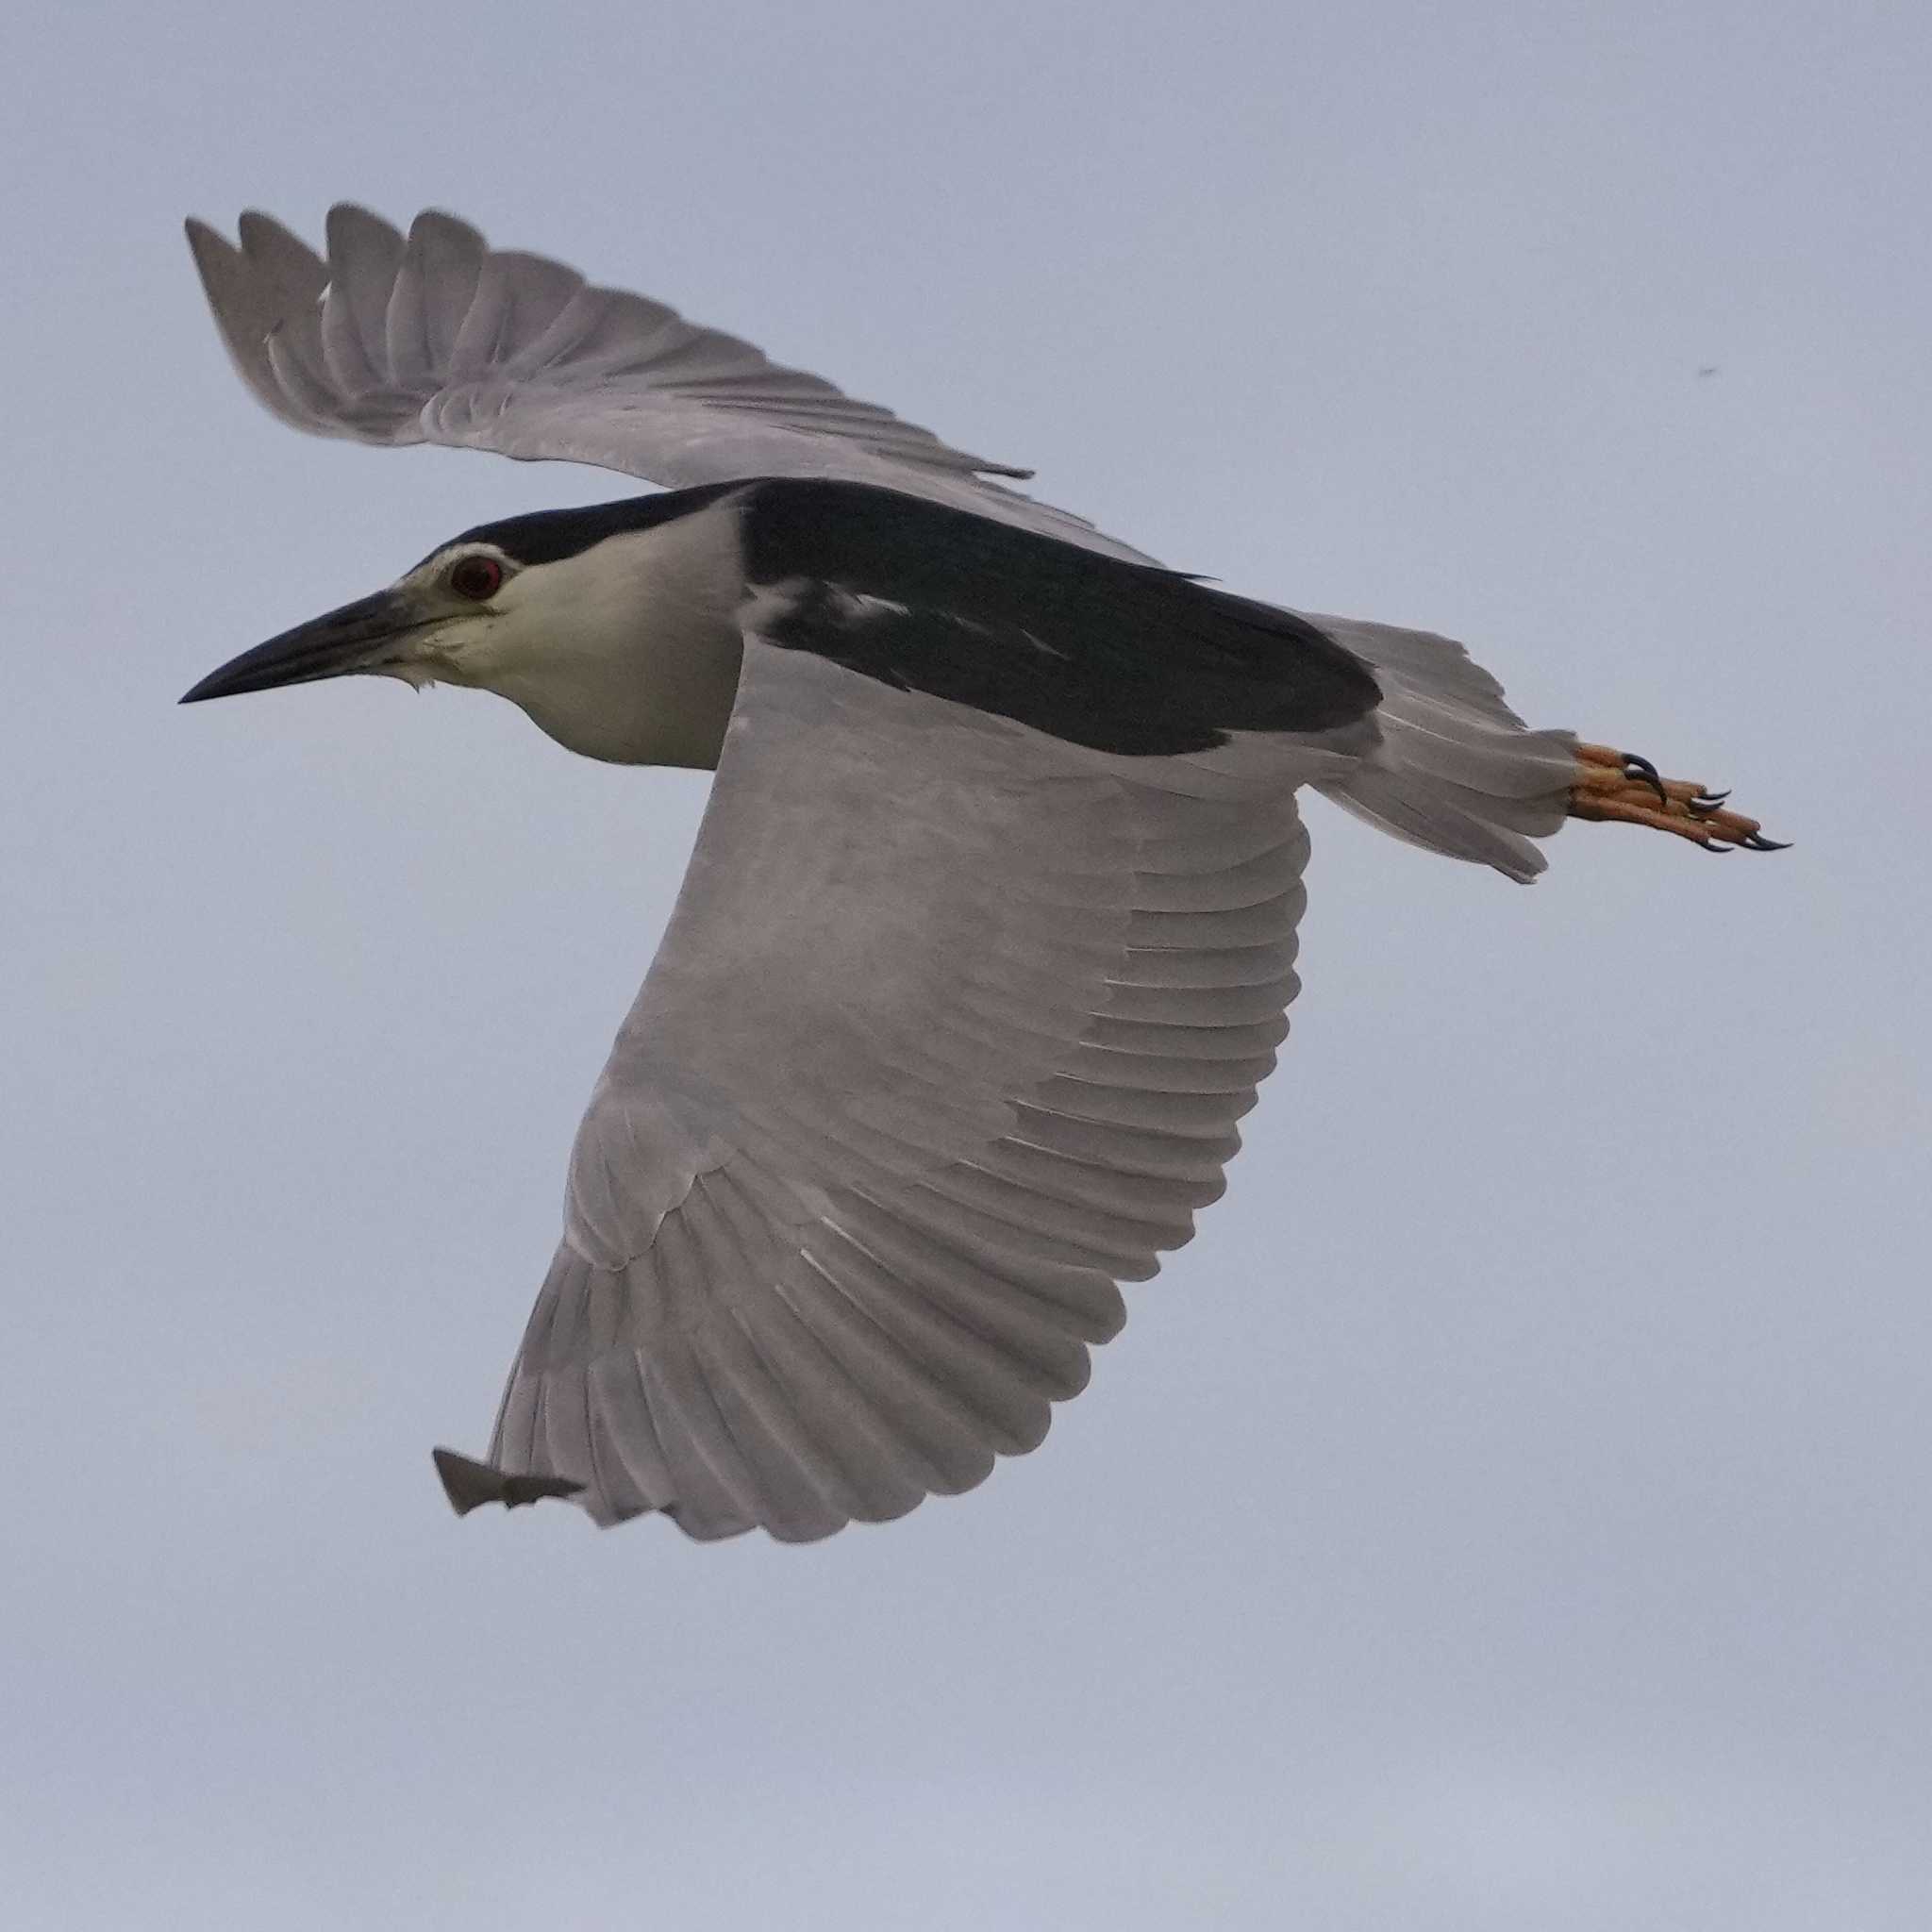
x,y
1122,656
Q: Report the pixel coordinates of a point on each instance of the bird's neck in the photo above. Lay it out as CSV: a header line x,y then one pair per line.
x,y
632,655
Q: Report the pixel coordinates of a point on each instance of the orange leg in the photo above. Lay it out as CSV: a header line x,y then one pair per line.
x,y
1616,785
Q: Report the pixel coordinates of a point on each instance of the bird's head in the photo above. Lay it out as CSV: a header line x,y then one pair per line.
x,y
441,622
610,627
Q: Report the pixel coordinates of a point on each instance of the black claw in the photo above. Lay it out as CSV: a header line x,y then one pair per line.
x,y
1713,846
1704,803
1635,766
1756,842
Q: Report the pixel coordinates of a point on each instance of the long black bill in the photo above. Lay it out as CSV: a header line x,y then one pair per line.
x,y
358,637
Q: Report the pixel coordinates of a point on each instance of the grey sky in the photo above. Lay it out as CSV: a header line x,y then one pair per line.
x,y
1510,1512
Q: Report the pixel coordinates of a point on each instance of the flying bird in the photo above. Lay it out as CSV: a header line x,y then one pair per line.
x,y
990,930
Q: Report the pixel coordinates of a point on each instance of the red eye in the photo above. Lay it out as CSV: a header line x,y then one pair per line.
x,y
476,577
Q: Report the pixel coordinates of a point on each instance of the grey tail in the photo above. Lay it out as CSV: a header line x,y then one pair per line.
x,y
469,1484
1457,771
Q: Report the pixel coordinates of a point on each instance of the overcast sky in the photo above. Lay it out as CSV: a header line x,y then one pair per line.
x,y
1512,1512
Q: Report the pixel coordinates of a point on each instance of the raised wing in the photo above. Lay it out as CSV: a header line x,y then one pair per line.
x,y
437,338
949,1033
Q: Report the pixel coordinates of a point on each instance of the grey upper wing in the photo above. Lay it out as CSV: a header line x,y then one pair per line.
x,y
949,1033
437,338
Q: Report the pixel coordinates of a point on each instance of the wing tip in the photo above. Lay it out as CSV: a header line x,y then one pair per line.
x,y
348,225
434,228
470,1484
212,249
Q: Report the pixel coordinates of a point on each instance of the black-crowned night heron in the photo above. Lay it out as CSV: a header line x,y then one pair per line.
x,y
990,927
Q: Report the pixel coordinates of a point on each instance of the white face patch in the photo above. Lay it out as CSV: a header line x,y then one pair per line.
x,y
627,649
463,592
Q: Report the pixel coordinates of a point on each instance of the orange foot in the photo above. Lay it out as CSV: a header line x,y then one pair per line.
x,y
1616,785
